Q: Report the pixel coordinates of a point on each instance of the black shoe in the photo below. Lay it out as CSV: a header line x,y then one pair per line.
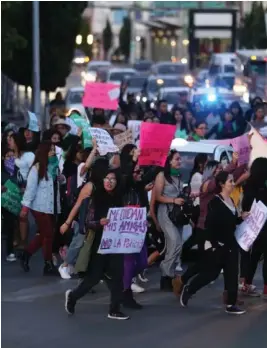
x,y
69,303
24,261
129,301
234,310
166,284
118,315
185,296
50,269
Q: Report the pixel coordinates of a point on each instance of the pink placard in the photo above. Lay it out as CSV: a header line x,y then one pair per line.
x,y
240,144
101,95
155,142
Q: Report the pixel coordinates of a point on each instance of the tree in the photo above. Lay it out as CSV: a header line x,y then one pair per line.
x,y
107,38
11,38
125,38
252,33
59,25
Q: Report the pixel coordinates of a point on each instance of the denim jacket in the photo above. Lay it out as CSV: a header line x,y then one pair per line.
x,y
39,196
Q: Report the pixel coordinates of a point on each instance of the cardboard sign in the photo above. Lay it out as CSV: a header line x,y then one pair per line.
x,y
101,95
249,230
155,142
126,231
104,141
258,146
80,122
33,122
11,198
124,138
135,127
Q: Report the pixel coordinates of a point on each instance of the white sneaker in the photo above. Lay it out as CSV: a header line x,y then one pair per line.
x,y
63,271
71,269
54,260
136,288
179,268
11,258
142,277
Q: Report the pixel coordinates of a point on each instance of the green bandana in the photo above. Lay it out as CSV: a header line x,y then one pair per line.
x,y
197,137
53,166
175,172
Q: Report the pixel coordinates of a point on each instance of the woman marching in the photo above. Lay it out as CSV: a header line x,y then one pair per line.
x,y
221,222
168,188
110,266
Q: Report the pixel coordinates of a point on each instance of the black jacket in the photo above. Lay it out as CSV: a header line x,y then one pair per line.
x,y
221,223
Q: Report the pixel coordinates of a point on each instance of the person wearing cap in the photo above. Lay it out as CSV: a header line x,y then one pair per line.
x,y
68,139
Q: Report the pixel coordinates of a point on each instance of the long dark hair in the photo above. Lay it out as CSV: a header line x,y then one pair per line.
x,y
167,168
258,174
199,163
220,180
41,157
125,156
183,122
20,142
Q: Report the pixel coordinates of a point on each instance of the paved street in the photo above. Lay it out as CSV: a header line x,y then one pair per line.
x,y
33,316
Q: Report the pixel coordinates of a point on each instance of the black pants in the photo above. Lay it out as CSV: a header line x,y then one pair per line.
x,y
9,225
259,248
221,258
109,268
244,263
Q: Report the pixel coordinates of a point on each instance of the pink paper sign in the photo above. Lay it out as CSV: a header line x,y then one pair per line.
x,y
155,142
240,144
101,95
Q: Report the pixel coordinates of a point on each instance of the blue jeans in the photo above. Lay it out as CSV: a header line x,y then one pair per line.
x,y
75,245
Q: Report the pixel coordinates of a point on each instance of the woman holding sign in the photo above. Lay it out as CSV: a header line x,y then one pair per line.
x,y
168,188
102,266
221,222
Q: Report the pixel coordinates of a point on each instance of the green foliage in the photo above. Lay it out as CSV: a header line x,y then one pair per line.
x,y
107,38
125,38
253,32
11,38
59,25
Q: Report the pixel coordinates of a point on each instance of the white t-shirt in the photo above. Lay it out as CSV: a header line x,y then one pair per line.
x,y
80,178
196,182
24,163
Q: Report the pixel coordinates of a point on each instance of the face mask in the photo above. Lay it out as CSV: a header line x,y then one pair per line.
x,y
175,172
10,165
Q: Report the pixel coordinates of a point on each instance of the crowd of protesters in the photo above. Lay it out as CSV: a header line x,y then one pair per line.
x,y
68,190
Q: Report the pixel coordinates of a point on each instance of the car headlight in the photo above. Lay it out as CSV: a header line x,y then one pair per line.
x,y
144,99
152,105
189,79
211,97
240,89
138,98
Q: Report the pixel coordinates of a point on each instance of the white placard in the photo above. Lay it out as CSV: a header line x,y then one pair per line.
x,y
104,141
135,127
126,231
74,129
249,230
33,122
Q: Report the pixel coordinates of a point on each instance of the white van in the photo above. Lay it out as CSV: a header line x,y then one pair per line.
x,y
189,149
222,63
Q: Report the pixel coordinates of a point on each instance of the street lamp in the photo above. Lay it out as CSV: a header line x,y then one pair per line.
x,y
90,39
79,39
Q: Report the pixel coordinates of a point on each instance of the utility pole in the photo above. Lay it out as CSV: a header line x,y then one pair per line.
x,y
36,61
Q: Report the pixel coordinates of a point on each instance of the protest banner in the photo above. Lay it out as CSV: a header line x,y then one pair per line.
x,y
101,95
248,231
104,141
124,138
11,198
80,122
33,125
155,142
126,231
258,145
135,127
74,129
240,145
